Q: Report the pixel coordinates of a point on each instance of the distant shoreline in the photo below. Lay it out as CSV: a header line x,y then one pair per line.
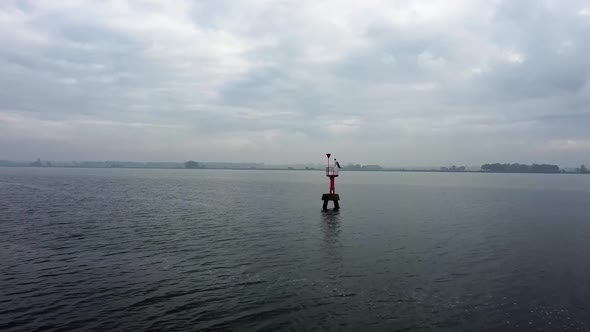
x,y
290,169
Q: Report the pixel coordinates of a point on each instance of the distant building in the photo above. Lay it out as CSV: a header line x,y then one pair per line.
x,y
37,163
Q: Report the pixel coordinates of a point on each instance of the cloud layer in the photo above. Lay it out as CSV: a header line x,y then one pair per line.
x,y
390,82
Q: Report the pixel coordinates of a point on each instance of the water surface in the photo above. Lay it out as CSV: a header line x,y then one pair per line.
x,y
96,249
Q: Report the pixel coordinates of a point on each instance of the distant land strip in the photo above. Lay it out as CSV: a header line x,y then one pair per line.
x,y
485,168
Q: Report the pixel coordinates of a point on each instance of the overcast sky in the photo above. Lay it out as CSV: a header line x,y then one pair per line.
x,y
388,82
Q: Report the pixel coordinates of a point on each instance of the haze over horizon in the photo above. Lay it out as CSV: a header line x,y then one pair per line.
x,y
375,82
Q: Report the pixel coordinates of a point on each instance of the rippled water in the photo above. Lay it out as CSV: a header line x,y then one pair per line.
x,y
251,250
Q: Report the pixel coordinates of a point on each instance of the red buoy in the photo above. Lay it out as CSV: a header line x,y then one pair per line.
x,y
332,173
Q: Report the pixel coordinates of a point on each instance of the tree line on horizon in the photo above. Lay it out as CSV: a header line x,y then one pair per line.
x,y
191,164
523,168
492,168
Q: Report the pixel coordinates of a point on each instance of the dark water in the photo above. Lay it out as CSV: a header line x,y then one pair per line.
x,y
100,249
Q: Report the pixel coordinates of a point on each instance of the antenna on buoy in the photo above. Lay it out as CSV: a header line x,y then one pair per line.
x,y
332,173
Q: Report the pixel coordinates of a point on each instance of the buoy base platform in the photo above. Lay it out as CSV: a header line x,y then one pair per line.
x,y
331,197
